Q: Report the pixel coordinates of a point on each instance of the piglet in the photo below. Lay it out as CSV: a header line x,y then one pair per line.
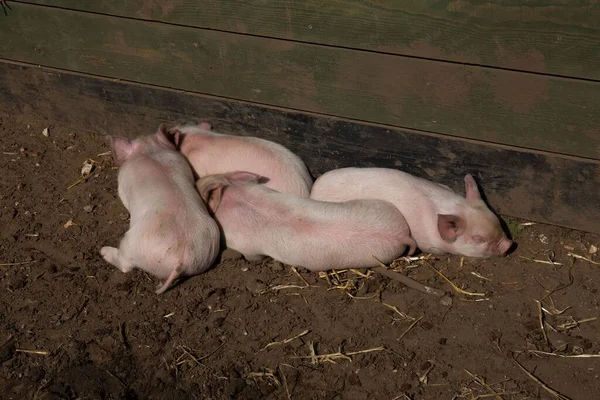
x,y
212,153
440,220
258,221
171,234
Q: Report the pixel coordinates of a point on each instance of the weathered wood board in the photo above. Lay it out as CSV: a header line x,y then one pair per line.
x,y
553,37
533,185
527,110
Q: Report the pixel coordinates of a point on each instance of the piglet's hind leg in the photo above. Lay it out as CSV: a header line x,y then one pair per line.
x,y
111,255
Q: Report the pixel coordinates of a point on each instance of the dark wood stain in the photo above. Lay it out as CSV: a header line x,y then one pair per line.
x,y
533,185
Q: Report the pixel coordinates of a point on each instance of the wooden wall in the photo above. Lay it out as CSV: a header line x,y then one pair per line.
x,y
514,75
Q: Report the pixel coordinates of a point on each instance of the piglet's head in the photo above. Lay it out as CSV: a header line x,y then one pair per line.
x,y
212,187
123,148
475,231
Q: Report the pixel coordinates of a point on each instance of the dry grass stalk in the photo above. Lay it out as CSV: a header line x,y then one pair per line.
x,y
583,258
16,263
295,271
400,313
338,280
453,285
192,358
411,283
409,328
541,321
269,374
574,323
547,388
36,352
362,275
405,263
480,276
425,377
545,353
402,396
286,341
282,287
316,358
284,380
364,297
481,381
527,223
552,310
312,353
549,262
497,395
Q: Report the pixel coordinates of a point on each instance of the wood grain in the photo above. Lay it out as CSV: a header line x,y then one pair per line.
x,y
526,110
551,36
536,186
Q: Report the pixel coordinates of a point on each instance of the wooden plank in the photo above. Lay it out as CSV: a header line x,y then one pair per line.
x,y
526,110
553,37
537,186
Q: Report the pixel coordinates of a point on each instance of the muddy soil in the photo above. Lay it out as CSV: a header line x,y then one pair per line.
x,y
72,326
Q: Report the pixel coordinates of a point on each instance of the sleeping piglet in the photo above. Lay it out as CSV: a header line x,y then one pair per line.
x,y
212,153
171,233
440,220
258,221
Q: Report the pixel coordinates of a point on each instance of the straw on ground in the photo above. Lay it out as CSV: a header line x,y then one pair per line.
x,y
285,341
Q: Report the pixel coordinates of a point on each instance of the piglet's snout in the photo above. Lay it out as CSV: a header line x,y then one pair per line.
x,y
504,246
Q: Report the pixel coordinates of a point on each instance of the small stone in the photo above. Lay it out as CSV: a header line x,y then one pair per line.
x,y
276,266
88,208
229,254
425,366
45,132
123,216
446,301
256,286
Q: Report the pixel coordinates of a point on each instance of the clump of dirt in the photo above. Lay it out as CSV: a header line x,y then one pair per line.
x,y
72,326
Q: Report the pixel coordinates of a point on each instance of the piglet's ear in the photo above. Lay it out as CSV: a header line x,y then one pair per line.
x,y
165,137
244,176
176,136
211,190
472,192
206,126
121,148
451,226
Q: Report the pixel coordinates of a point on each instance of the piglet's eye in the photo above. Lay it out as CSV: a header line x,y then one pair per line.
x,y
478,239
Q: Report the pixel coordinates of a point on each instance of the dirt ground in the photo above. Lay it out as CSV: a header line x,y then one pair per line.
x,y
74,327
